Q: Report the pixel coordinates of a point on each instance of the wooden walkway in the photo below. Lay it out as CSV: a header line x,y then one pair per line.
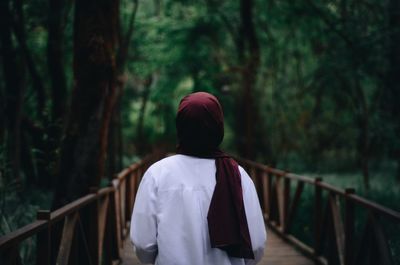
x,y
278,252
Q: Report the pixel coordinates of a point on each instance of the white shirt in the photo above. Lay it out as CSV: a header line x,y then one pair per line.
x,y
169,219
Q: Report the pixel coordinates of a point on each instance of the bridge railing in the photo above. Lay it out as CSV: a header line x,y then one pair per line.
x,y
87,226
343,228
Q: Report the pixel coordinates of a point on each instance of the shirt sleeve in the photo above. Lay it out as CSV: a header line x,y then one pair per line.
x,y
255,219
143,231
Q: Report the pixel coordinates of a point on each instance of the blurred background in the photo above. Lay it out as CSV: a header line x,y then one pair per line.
x,y
88,87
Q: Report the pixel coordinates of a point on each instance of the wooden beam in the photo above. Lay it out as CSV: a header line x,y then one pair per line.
x,y
43,240
338,226
317,217
349,228
381,242
66,239
294,205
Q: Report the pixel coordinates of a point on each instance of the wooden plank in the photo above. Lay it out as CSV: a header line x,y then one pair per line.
x,y
122,207
317,217
338,226
281,201
277,252
265,183
103,209
66,239
294,205
88,242
377,208
91,227
349,228
15,237
43,240
381,242
286,203
72,207
365,243
128,197
274,201
111,246
115,219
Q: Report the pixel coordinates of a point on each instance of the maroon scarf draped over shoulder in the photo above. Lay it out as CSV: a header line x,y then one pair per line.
x,y
200,129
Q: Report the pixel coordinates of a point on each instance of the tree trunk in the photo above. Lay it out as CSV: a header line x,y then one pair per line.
x,y
249,54
13,78
392,91
55,60
114,159
84,145
140,137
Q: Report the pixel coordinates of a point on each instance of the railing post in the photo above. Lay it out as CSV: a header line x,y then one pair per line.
x,y
269,195
349,227
112,240
117,213
317,217
93,229
264,190
122,207
286,202
128,196
43,240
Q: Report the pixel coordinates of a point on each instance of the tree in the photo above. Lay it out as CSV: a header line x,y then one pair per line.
x,y
391,92
249,58
84,146
14,91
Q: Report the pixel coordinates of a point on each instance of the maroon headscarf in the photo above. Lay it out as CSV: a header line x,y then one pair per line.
x,y
200,128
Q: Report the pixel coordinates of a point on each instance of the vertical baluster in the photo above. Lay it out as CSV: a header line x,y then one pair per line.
x,y
128,196
349,227
317,217
115,203
43,240
92,228
103,215
274,199
122,198
286,203
269,194
112,240
265,193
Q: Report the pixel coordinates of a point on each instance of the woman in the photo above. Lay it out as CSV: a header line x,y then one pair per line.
x,y
198,207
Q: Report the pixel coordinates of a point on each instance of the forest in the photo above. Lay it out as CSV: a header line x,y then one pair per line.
x,y
88,87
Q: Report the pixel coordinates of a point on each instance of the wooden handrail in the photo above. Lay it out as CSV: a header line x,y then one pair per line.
x,y
109,209
21,234
326,186
331,225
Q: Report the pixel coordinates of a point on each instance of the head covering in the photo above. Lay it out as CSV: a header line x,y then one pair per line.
x,y
200,129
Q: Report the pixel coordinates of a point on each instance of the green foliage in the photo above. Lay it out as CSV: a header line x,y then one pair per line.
x,y
319,93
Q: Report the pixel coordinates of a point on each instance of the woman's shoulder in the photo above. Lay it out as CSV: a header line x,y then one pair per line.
x,y
166,164
166,161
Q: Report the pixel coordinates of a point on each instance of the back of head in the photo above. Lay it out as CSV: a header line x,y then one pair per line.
x,y
199,124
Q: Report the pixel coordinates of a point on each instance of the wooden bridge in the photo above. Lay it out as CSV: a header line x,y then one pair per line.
x,y
324,225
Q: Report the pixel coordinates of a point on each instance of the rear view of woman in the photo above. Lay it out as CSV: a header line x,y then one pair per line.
x,y
198,207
